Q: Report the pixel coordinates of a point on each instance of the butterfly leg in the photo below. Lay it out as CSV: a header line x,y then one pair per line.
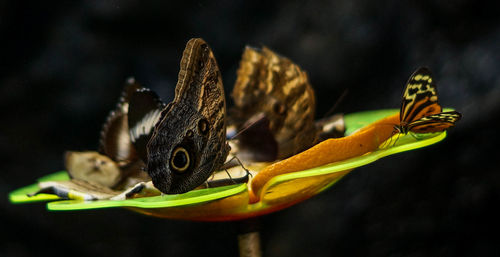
x,y
242,166
229,181
229,175
230,164
398,135
414,135
390,142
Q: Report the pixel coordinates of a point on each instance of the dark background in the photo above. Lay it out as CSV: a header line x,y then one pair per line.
x,y
63,66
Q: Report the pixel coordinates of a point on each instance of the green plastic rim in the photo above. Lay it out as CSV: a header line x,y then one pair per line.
x,y
354,122
189,198
360,160
21,195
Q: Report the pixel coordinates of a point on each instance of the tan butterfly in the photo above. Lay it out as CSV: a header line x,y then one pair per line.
x,y
274,86
275,93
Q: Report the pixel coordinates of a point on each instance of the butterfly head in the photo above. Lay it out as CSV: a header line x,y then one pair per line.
x,y
401,128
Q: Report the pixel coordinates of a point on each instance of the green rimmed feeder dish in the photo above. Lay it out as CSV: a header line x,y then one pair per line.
x,y
232,202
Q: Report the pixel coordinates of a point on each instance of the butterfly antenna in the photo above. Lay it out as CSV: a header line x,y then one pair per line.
x,y
336,104
243,130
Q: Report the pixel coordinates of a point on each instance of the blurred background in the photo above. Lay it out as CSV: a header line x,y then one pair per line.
x,y
63,66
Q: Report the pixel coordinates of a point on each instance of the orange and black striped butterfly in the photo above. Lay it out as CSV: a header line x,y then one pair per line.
x,y
420,111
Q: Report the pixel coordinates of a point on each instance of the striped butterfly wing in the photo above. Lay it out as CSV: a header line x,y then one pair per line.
x,y
274,85
435,123
419,98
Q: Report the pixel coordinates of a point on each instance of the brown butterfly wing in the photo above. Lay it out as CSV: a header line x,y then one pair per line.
x,y
248,149
116,151
115,140
145,109
274,85
189,142
420,97
435,123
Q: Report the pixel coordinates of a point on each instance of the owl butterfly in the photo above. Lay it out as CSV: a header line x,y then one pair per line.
x,y
117,160
188,142
420,111
273,85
